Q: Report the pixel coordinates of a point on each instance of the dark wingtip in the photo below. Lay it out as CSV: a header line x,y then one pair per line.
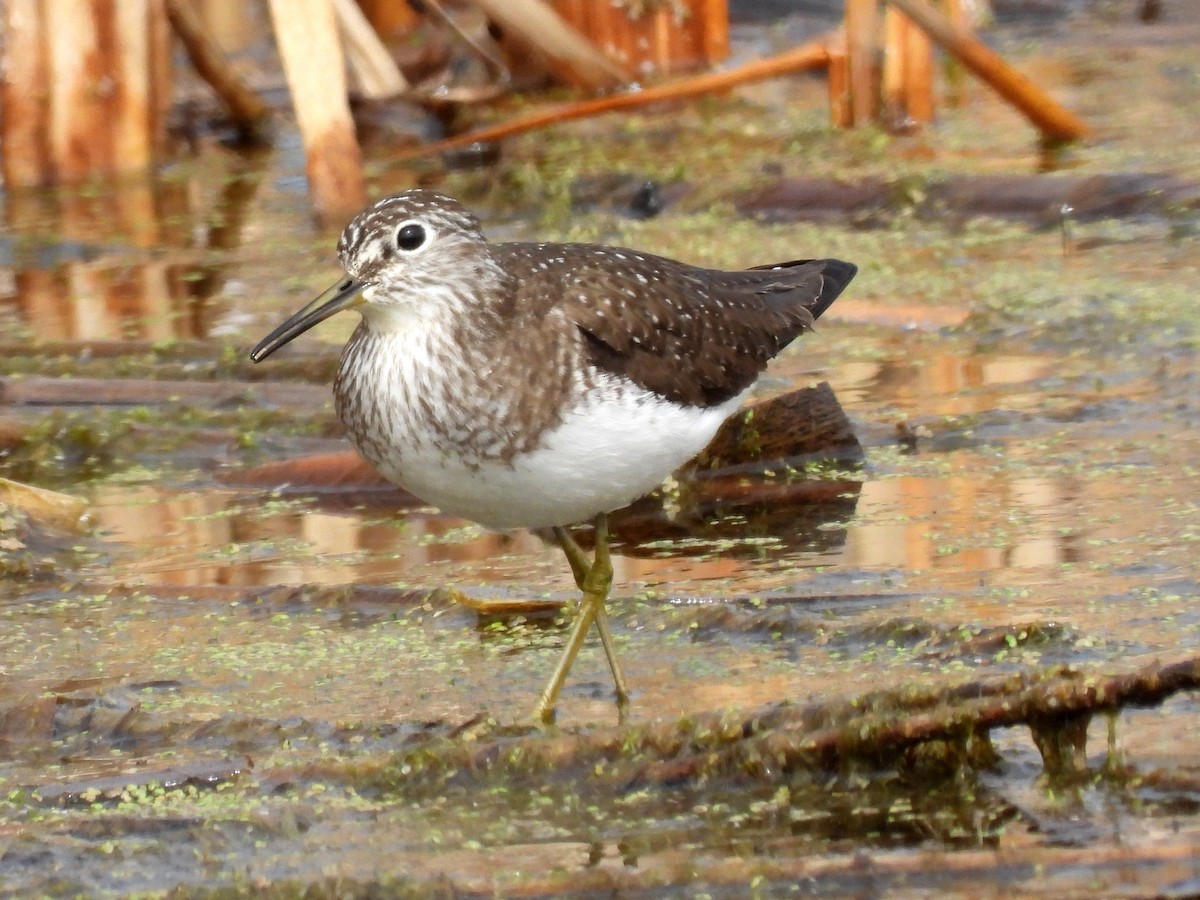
x,y
836,274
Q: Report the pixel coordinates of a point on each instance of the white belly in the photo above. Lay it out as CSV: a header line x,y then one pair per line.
x,y
613,449
455,449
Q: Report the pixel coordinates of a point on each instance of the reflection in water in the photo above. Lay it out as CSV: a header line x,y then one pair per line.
x,y
962,522
134,260
226,538
947,383
976,509
920,523
97,301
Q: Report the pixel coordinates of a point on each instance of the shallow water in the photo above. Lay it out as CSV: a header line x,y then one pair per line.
x,y
206,683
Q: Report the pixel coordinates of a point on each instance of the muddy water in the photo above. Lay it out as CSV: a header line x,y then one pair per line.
x,y
212,684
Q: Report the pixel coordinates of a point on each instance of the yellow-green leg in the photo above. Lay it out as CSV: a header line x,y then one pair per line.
x,y
580,566
594,579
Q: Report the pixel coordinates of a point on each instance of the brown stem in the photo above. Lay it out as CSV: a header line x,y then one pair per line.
x,y
807,56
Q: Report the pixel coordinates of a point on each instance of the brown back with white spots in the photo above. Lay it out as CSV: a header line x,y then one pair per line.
x,y
695,336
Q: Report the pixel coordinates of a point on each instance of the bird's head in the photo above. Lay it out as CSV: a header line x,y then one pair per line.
x,y
406,257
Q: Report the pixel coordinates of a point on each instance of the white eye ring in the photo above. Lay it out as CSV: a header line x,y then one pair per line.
x,y
411,236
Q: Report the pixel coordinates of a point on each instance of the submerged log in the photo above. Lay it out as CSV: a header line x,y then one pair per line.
x,y
12,433
338,470
1038,199
36,391
871,731
802,425
876,729
44,507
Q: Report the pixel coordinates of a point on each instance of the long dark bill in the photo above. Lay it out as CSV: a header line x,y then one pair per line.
x,y
343,295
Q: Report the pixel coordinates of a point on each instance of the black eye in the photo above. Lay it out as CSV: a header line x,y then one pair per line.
x,y
410,237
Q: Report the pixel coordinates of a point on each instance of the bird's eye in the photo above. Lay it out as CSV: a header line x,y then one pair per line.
x,y
410,237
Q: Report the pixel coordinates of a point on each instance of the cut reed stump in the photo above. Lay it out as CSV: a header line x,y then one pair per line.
x,y
841,112
84,88
566,52
881,67
375,72
907,71
391,20
307,34
1054,121
863,57
653,38
247,111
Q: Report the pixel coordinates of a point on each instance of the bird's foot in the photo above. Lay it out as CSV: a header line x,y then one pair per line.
x,y
594,579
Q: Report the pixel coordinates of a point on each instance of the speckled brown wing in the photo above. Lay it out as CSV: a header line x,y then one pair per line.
x,y
695,336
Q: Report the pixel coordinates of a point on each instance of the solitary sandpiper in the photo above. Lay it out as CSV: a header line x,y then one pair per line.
x,y
544,385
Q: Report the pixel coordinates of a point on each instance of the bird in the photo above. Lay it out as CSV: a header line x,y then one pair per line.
x,y
543,385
